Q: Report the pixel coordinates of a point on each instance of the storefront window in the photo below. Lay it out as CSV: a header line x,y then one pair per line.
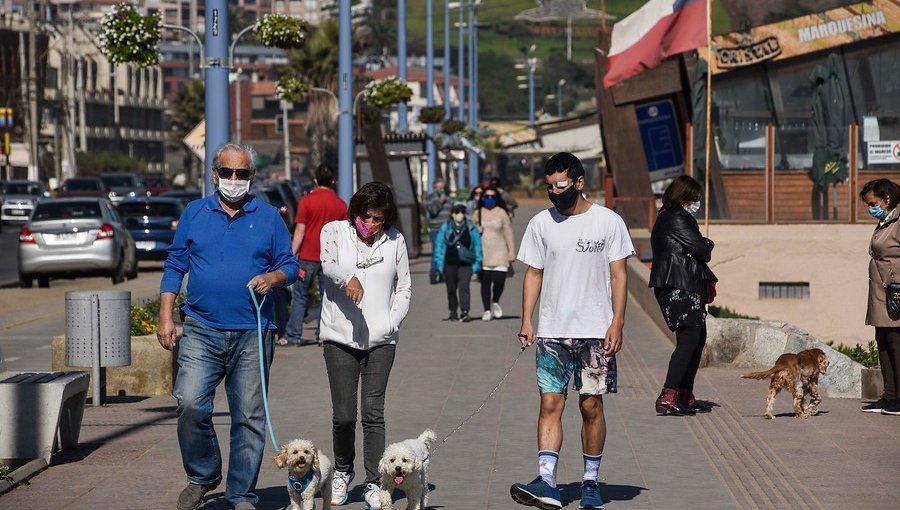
x,y
875,86
741,111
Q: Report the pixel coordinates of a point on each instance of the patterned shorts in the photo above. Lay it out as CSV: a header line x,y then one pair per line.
x,y
559,359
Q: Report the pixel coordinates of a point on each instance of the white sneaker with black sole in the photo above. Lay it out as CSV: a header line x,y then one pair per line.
x,y
892,407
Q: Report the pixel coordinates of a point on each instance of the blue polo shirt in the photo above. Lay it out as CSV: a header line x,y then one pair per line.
x,y
223,253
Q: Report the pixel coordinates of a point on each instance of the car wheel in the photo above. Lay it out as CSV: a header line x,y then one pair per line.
x,y
118,275
132,273
43,282
26,281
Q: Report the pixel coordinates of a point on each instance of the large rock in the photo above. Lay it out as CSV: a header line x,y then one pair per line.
x,y
753,344
151,373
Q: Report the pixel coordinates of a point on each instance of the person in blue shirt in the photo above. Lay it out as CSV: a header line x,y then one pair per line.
x,y
226,242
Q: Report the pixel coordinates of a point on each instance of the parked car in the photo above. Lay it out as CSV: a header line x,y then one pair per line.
x,y
82,187
272,196
291,197
75,236
122,185
18,200
185,195
154,184
152,222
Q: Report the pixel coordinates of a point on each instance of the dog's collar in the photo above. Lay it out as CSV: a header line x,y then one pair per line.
x,y
300,484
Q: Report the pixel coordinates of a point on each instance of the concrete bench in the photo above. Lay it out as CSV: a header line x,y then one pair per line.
x,y
40,413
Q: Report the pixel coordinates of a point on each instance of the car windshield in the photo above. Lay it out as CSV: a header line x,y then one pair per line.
x,y
66,211
153,209
118,180
23,188
81,185
274,197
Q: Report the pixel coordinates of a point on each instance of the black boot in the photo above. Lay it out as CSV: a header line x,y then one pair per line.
x,y
667,403
687,401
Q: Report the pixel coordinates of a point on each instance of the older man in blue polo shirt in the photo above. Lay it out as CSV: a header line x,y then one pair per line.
x,y
226,242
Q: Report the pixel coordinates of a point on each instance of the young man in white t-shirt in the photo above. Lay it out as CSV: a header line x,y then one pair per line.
x,y
575,253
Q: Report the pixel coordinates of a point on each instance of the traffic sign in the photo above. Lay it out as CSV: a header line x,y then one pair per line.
x,y
196,140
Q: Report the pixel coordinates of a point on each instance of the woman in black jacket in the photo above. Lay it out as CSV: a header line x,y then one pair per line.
x,y
683,284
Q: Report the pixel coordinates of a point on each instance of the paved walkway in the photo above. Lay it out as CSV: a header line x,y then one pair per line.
x,y
730,458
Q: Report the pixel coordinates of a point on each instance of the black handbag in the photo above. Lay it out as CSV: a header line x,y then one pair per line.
x,y
891,295
466,256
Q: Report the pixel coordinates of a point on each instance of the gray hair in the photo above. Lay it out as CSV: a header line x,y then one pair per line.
x,y
246,150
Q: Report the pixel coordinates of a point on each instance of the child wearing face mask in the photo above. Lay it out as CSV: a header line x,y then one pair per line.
x,y
457,255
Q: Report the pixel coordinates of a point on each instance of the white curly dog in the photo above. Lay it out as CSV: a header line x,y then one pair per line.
x,y
308,471
404,466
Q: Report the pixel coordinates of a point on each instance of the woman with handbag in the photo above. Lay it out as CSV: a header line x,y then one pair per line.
x,y
883,311
683,285
457,255
499,250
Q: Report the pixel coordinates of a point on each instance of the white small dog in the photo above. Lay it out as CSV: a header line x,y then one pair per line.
x,y
308,470
404,466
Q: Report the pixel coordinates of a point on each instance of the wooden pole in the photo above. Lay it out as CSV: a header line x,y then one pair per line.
x,y
708,110
603,15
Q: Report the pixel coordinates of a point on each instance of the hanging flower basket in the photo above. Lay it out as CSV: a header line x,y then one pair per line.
x,y
387,92
432,115
281,31
126,36
453,126
292,89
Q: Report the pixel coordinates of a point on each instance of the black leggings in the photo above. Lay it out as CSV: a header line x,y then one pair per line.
x,y
495,279
888,341
685,361
458,277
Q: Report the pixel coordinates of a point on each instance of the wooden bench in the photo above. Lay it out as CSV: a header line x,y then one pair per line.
x,y
41,413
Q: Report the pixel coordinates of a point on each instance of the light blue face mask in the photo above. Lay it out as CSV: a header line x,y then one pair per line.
x,y
693,208
877,212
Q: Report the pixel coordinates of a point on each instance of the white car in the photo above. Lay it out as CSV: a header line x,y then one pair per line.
x,y
18,200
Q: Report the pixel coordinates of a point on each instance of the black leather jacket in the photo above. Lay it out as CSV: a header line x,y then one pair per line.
x,y
680,253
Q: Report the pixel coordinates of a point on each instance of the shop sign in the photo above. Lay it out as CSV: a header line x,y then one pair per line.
x,y
883,152
747,54
806,34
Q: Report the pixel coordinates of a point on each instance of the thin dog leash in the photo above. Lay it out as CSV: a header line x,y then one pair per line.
x,y
483,402
262,371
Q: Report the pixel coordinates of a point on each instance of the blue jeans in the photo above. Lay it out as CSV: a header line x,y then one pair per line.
x,y
300,295
206,356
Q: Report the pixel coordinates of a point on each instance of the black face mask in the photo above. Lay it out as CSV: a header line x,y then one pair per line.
x,y
565,200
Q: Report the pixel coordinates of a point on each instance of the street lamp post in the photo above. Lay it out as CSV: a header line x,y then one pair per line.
x,y
402,125
429,91
287,138
447,68
559,97
461,91
345,96
531,64
218,111
473,93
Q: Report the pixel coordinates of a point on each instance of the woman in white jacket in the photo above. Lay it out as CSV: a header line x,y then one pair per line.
x,y
366,297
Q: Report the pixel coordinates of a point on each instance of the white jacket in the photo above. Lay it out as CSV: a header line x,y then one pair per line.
x,y
386,284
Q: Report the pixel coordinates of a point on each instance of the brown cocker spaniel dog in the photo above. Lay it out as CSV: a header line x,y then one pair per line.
x,y
800,374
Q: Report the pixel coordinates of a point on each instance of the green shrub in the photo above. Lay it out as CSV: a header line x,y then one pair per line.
x,y
866,356
723,312
145,318
4,471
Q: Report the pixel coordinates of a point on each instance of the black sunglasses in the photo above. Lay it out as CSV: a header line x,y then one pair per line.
x,y
242,174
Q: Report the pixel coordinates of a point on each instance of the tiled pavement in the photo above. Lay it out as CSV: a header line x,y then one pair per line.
x,y
730,458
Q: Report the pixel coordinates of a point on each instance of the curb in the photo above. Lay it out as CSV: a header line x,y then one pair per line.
x,y
21,475
9,285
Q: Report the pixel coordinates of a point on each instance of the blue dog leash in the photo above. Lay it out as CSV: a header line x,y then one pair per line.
x,y
262,371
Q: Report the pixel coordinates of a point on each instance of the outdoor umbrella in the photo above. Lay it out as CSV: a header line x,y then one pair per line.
x,y
829,122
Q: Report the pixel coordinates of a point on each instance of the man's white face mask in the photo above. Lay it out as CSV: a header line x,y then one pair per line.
x,y
233,190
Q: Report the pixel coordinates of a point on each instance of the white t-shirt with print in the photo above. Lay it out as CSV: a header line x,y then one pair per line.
x,y
574,253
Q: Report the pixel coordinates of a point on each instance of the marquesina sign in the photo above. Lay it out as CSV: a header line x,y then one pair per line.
x,y
806,34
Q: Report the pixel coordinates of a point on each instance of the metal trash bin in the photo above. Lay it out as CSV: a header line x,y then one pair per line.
x,y
98,333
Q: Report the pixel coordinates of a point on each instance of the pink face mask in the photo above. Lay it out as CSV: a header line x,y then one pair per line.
x,y
364,229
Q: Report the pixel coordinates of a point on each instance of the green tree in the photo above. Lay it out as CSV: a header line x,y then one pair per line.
x,y
317,63
187,110
98,162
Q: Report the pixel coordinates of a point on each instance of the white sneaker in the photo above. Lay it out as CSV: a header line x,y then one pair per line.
x,y
496,311
373,497
486,316
339,485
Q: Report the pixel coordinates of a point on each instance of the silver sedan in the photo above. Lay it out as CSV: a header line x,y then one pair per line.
x,y
75,236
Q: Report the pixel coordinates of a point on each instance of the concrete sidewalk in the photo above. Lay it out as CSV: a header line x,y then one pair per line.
x,y
730,458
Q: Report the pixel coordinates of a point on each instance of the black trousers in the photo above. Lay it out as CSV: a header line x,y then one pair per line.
x,y
492,284
888,341
457,278
685,361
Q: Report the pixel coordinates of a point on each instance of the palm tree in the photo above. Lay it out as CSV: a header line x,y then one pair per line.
x,y
317,63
